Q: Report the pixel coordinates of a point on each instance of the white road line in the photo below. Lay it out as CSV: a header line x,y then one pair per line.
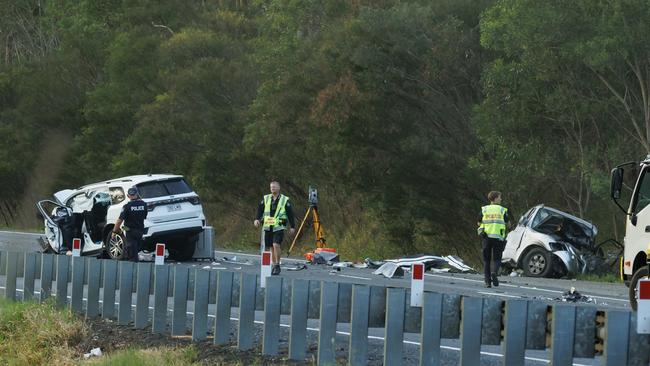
x,y
357,277
497,294
453,278
19,233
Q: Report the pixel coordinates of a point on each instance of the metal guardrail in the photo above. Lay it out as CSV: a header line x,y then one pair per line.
x,y
517,325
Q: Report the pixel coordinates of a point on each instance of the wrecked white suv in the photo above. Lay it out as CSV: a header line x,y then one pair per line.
x,y
175,216
548,242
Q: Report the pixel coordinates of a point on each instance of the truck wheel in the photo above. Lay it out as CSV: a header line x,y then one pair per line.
x,y
114,247
537,263
639,274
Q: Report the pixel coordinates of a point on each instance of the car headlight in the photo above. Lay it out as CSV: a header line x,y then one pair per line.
x,y
195,200
557,246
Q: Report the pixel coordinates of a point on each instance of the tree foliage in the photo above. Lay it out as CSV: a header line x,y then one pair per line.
x,y
403,113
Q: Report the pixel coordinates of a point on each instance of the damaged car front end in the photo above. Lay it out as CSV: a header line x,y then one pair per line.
x,y
551,243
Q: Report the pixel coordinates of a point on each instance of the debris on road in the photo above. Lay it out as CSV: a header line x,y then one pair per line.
x,y
434,263
390,270
574,296
234,259
325,257
373,264
298,267
515,273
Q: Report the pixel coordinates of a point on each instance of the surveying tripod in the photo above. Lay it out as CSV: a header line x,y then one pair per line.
x,y
318,228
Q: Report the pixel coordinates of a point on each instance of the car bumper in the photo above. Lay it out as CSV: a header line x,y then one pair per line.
x,y
175,228
571,261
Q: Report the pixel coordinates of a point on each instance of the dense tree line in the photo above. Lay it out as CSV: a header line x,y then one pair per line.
x,y
403,113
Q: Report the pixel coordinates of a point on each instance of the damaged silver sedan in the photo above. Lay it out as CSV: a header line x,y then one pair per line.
x,y
551,243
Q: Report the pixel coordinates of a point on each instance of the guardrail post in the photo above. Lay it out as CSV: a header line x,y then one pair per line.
x,y
77,296
12,274
93,269
126,293
638,351
29,276
431,329
536,325
272,305
617,327
585,332
201,292
110,280
394,338
514,339
179,317
62,268
492,321
358,349
161,279
327,334
142,295
47,264
470,334
223,308
248,289
562,332
299,310
451,316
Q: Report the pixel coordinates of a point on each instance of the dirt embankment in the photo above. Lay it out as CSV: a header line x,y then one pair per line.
x,y
112,338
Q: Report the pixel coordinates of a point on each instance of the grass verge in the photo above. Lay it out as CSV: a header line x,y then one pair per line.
x,y
37,334
607,277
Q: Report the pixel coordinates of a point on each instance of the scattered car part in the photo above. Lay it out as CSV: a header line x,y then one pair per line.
x,y
574,296
325,257
390,270
298,267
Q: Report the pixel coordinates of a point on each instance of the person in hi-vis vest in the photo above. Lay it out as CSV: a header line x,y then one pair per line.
x,y
492,230
273,213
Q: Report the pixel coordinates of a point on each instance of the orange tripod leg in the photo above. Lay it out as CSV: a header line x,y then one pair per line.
x,y
302,224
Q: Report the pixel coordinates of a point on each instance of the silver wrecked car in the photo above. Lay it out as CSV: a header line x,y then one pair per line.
x,y
548,242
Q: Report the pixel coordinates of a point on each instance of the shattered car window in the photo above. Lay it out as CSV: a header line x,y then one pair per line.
x,y
80,202
117,195
540,217
526,217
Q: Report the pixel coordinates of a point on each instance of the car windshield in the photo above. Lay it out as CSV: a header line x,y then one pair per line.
x,y
161,188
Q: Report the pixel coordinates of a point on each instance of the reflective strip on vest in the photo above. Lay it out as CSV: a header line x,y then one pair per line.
x,y
493,221
276,221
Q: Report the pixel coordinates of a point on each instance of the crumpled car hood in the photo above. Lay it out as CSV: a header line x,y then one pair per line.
x,y
567,228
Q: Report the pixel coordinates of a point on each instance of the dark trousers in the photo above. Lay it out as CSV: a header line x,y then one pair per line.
x,y
492,249
132,245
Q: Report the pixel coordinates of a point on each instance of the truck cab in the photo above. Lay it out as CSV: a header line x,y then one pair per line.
x,y
637,223
634,264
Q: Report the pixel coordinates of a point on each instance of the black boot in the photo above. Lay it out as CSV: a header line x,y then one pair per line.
x,y
488,284
495,280
275,270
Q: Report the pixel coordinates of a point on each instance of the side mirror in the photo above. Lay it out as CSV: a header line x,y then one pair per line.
x,y
617,183
633,219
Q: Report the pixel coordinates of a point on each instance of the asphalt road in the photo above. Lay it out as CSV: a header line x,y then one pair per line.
x,y
604,295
